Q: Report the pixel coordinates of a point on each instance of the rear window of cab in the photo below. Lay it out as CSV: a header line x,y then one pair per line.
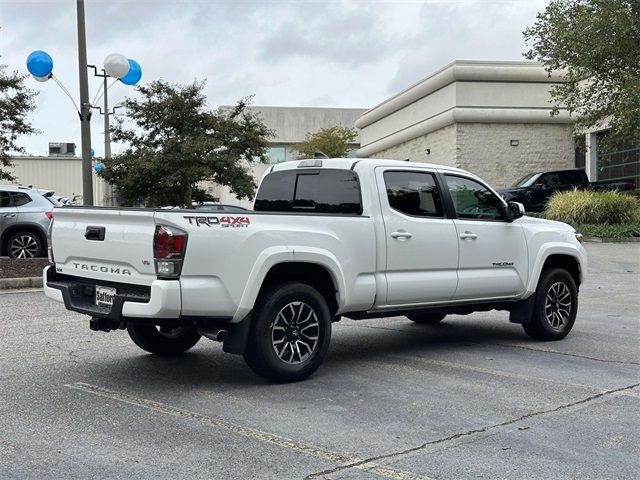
x,y
328,191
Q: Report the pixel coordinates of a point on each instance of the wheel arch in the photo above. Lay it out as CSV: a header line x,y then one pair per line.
x,y
319,269
22,227
568,259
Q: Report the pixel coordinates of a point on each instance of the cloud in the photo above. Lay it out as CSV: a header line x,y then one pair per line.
x,y
336,53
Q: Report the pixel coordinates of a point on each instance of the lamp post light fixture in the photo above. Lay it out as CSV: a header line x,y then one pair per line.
x,y
40,65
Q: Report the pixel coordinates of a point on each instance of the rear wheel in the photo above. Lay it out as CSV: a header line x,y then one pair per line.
x,y
427,318
290,333
166,341
555,306
24,245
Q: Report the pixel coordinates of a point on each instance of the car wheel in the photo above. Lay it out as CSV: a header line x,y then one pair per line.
x,y
427,318
555,306
165,341
24,245
290,333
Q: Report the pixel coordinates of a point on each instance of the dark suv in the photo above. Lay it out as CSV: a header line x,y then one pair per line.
x,y
25,214
534,189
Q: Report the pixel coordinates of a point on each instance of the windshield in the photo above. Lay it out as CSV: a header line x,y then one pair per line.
x,y
525,181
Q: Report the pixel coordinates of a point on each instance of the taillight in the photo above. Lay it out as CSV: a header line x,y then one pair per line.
x,y
169,245
49,241
49,215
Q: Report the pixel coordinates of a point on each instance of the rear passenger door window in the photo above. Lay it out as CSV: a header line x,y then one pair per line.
x,y
19,199
570,178
413,193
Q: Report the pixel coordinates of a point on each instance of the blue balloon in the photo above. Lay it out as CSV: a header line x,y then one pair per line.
x,y
39,64
98,167
92,153
134,75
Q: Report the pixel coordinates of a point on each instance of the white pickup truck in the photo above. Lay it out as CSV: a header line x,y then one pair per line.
x,y
326,239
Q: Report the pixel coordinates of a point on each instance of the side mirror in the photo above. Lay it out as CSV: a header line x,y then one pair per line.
x,y
514,210
539,186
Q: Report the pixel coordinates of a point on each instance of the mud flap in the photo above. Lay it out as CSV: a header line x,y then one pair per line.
x,y
522,311
236,342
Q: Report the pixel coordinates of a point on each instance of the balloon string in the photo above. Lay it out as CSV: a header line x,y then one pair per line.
x,y
97,98
64,89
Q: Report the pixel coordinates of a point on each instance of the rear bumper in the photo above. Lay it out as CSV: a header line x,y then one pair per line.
x,y
161,300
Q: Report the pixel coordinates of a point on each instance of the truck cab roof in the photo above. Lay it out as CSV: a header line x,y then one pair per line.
x,y
350,164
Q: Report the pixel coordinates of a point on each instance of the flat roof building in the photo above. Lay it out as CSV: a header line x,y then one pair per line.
x,y
491,118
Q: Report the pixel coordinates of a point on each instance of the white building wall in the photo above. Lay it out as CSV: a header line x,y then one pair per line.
x,y
63,175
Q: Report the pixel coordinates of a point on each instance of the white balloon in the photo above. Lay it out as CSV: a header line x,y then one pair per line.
x,y
116,65
41,79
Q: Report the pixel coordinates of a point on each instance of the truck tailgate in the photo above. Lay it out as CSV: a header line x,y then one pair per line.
x,y
113,245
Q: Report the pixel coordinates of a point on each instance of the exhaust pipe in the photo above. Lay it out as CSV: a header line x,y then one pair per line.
x,y
219,335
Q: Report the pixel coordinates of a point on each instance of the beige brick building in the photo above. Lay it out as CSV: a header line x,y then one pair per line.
x,y
491,118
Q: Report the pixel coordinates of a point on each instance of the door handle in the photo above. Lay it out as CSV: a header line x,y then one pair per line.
x,y
401,234
9,215
468,236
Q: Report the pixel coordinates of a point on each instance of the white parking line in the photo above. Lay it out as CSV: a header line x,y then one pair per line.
x,y
306,449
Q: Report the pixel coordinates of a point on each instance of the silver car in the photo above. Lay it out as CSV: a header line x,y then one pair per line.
x,y
25,214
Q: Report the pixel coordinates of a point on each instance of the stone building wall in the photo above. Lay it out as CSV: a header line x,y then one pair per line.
x,y
441,144
485,149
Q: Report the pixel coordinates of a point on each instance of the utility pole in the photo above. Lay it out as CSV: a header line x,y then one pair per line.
x,y
85,108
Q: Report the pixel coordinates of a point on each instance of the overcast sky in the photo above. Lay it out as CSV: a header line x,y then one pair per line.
x,y
290,53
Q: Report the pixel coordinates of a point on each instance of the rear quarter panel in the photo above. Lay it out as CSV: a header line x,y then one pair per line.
x,y
227,261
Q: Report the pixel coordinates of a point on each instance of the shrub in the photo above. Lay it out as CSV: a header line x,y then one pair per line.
x,y
590,207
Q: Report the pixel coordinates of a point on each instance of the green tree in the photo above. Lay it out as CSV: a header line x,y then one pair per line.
x,y
16,101
175,142
596,43
335,142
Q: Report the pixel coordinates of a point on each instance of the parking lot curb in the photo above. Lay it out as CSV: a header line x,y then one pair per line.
x,y
12,283
612,240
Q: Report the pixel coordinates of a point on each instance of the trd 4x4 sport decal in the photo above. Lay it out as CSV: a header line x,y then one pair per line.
x,y
224,222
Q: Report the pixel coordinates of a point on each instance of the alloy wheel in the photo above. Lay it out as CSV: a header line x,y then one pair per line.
x,y
557,305
24,246
295,332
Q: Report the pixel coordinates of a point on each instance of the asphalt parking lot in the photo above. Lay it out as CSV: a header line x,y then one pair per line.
x,y
471,398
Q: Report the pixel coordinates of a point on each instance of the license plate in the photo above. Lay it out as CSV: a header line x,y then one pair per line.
x,y
105,296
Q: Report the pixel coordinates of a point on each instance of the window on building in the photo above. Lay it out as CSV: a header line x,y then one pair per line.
x,y
273,155
413,193
352,153
276,154
473,200
617,160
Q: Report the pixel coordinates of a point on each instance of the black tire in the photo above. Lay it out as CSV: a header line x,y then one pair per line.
x,y
427,318
163,341
282,314
24,245
555,306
